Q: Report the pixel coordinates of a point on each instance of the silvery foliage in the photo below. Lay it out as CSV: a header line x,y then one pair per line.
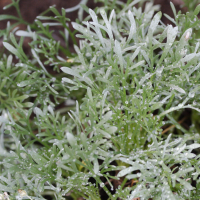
x,y
130,65
134,64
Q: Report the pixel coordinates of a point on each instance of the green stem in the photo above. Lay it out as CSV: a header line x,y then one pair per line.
x,y
126,113
105,188
34,136
113,5
124,182
70,33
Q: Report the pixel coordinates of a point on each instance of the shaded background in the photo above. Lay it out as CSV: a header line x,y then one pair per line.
x,y
32,8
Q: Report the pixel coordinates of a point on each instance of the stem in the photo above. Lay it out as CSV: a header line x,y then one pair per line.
x,y
33,135
126,113
124,182
105,188
81,194
113,5
70,33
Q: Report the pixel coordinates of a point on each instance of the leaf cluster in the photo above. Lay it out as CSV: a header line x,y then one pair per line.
x,y
96,124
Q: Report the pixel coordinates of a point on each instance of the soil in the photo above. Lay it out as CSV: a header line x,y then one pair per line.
x,y
32,8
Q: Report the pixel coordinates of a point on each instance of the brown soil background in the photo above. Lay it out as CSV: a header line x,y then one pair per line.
x,y
32,8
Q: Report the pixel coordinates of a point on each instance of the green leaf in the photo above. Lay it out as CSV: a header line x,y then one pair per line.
x,y
173,9
170,18
69,71
38,111
183,41
54,91
197,10
4,188
71,138
187,185
193,146
45,18
38,158
96,166
153,25
118,51
28,104
67,80
111,129
171,35
9,61
133,26
175,87
89,93
107,135
7,17
25,96
38,60
128,170
25,83
105,118
108,25
97,29
156,106
12,49
3,119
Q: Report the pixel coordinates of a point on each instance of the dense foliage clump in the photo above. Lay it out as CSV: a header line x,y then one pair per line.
x,y
117,119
